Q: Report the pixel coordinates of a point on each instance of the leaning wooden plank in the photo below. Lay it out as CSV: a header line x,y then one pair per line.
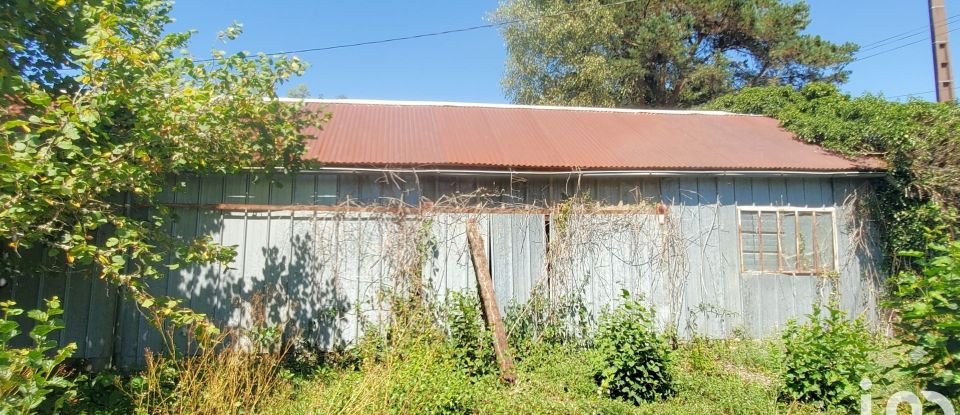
x,y
488,302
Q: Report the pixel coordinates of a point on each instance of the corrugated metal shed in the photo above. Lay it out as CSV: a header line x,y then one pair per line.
x,y
411,134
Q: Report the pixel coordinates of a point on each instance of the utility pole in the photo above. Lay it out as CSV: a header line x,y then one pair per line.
x,y
942,73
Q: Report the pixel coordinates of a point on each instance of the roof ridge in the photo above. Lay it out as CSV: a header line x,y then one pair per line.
x,y
511,106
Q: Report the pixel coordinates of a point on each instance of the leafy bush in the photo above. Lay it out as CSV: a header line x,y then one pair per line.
x,y
102,393
472,343
29,374
826,358
929,303
633,357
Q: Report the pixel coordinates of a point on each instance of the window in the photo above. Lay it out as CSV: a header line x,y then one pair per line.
x,y
787,240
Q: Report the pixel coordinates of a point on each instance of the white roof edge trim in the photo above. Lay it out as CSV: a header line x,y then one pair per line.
x,y
602,173
509,106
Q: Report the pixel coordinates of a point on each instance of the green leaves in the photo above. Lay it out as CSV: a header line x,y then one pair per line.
x,y
96,115
662,53
634,358
29,374
929,321
826,358
920,141
471,342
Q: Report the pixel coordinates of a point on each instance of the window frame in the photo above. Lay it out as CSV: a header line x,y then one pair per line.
x,y
779,210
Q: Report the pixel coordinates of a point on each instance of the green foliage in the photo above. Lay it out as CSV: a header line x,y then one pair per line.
x,y
29,374
826,359
920,141
417,374
74,160
634,358
36,38
545,321
929,323
660,53
472,343
100,394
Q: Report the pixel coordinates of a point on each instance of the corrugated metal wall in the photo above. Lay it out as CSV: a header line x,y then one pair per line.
x,y
323,273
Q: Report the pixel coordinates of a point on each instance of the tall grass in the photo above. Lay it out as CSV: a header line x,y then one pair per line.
x,y
213,381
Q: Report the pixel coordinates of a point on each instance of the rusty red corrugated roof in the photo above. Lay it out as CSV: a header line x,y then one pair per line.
x,y
454,135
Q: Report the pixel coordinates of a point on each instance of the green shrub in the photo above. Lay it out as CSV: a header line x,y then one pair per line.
x,y
826,358
100,394
546,321
472,343
633,358
929,304
417,376
29,374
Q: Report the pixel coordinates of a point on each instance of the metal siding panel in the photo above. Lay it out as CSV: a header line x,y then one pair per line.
x,y
501,257
692,322
729,249
795,193
761,191
750,297
768,290
712,292
750,284
538,191
826,192
206,294
234,234
371,188
849,258
76,308
650,190
348,188
806,295
330,188
812,193
786,299
778,191
304,189
329,314
100,338
374,274
607,191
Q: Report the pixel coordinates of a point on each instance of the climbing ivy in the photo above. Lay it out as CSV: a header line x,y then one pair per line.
x,y
919,141
917,207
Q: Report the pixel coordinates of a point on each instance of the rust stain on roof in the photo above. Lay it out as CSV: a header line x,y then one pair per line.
x,y
441,135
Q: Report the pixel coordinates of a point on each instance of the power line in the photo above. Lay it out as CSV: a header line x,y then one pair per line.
x,y
897,48
870,46
911,94
902,36
440,33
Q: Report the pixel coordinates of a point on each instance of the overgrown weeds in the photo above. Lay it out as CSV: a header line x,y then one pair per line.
x,y
215,380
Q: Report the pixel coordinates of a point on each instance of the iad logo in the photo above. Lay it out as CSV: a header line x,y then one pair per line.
x,y
904,397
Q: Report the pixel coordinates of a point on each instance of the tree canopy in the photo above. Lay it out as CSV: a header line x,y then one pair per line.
x,y
660,53
99,108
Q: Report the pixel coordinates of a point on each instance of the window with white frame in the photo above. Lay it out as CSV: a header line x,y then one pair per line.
x,y
787,240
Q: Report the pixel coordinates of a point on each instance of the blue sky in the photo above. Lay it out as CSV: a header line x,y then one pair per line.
x,y
468,66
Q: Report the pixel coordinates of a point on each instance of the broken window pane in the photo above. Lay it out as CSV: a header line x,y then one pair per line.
x,y
750,240
805,241
825,254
